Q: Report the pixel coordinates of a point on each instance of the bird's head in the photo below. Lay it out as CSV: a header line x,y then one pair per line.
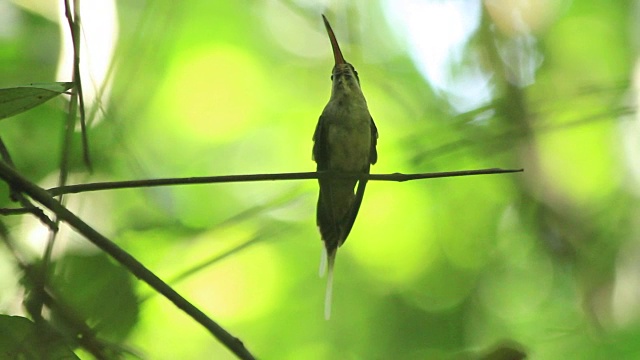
x,y
344,75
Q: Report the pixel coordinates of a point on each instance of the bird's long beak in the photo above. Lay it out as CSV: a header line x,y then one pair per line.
x,y
337,54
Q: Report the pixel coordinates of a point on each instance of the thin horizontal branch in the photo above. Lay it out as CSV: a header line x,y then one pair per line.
x,y
19,183
408,177
74,189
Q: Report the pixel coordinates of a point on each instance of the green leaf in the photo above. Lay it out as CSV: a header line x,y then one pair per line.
x,y
22,98
20,338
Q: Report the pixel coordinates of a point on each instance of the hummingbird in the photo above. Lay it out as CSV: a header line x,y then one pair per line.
x,y
344,140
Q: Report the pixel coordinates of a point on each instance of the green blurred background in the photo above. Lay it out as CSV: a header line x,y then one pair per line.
x,y
546,261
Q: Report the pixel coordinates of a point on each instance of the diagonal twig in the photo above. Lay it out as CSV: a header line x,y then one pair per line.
x,y
19,183
27,207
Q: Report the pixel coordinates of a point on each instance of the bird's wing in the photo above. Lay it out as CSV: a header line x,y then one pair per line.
x,y
320,155
325,219
373,153
362,184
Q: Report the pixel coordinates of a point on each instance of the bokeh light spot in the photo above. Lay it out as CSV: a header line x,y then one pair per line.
x,y
211,94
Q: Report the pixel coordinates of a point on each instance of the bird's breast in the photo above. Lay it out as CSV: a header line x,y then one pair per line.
x,y
349,138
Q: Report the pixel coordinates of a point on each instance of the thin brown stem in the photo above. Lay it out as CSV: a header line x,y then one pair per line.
x,y
129,184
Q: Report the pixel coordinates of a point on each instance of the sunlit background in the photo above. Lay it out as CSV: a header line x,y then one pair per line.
x,y
545,262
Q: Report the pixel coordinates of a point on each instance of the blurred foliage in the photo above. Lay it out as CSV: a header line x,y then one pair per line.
x,y
22,339
542,264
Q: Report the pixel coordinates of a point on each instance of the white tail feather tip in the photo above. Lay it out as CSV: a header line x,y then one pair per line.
x,y
328,294
323,262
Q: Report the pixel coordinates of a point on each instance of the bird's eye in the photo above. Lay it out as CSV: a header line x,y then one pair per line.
x,y
332,77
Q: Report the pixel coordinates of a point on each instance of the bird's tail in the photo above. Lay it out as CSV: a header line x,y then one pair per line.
x,y
326,265
323,262
335,218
